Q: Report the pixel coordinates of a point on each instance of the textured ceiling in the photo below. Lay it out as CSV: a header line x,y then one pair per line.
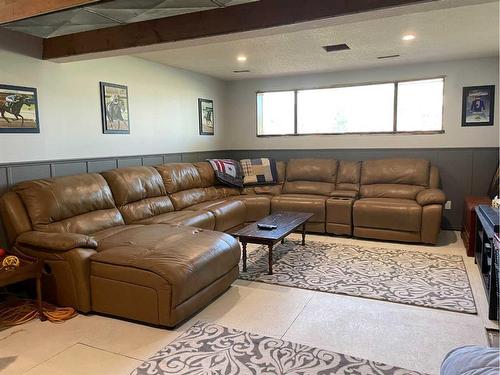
x,y
111,13
442,34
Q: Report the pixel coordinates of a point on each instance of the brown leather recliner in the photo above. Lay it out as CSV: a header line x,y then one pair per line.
x,y
399,200
158,273
308,185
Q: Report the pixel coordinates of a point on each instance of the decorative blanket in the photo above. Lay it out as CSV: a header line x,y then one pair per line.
x,y
259,171
227,171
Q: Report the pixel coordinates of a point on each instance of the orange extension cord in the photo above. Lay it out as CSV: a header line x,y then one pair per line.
x,y
25,310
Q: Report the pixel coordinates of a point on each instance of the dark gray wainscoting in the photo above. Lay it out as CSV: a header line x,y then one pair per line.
x,y
13,173
464,171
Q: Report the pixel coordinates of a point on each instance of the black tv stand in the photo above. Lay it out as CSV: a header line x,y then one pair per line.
x,y
486,254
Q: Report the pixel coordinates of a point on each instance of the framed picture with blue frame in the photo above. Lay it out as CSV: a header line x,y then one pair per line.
x,y
478,105
18,109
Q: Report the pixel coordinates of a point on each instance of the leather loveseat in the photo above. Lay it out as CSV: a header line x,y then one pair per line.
x,y
147,243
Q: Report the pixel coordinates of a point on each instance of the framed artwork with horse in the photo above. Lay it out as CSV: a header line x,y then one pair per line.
x,y
18,110
114,107
206,116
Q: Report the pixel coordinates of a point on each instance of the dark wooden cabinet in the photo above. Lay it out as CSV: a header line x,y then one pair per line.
x,y
487,228
469,221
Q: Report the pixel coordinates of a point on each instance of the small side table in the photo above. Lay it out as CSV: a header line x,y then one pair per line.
x,y
28,269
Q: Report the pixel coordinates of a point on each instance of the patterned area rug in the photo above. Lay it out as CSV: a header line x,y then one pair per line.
x,y
410,277
213,349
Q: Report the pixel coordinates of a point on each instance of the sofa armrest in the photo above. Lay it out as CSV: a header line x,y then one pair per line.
x,y
344,194
56,241
430,196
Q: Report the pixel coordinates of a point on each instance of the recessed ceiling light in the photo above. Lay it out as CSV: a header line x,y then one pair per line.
x,y
241,58
408,37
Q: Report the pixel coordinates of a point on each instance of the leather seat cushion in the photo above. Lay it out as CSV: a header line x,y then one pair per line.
x,y
199,219
314,204
257,206
387,213
188,259
229,213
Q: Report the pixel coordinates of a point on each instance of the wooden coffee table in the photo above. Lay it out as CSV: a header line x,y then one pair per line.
x,y
286,223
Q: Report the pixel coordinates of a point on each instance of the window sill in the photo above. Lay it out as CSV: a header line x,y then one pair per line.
x,y
423,132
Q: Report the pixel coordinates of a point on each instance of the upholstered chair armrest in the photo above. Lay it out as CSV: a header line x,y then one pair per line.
x,y
56,241
430,196
344,194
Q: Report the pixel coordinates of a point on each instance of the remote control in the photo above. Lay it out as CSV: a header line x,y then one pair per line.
x,y
266,226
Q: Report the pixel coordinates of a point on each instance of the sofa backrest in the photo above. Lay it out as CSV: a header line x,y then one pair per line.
x,y
394,178
15,219
78,204
310,176
348,175
189,184
138,192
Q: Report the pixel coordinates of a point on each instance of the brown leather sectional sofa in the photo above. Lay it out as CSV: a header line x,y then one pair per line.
x,y
147,243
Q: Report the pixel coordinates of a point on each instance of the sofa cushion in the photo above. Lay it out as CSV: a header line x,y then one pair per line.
x,y
179,176
199,219
229,213
206,172
79,204
387,213
314,204
310,176
188,259
396,171
401,191
348,175
259,171
139,192
257,206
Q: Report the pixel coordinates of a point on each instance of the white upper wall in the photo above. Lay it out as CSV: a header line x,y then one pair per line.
x,y
163,105
241,108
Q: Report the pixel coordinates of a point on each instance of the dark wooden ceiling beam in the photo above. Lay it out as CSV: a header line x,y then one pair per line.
x,y
238,18
15,10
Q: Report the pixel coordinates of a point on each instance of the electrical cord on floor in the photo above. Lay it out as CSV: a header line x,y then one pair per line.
x,y
25,310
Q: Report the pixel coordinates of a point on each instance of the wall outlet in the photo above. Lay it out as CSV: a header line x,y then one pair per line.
x,y
447,205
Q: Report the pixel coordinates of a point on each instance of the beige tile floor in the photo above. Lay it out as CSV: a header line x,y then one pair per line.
x,y
400,335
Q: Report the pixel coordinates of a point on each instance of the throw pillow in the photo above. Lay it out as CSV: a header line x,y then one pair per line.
x,y
227,171
259,171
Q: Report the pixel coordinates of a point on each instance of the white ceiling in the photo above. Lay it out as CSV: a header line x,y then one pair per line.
x,y
447,33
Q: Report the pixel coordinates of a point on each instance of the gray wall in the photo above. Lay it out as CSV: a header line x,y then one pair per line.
x,y
464,171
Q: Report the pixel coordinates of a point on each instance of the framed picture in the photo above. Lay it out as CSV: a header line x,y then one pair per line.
x,y
478,104
206,115
114,108
18,110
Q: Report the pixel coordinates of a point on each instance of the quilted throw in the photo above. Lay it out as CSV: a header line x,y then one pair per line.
x,y
259,171
227,171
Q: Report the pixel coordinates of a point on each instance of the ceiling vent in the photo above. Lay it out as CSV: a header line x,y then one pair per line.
x,y
388,57
336,47
241,71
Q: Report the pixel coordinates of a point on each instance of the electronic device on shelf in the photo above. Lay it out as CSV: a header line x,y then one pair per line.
x,y
266,226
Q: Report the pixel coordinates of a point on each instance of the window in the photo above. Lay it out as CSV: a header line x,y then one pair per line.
x,y
357,109
406,106
276,113
420,105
